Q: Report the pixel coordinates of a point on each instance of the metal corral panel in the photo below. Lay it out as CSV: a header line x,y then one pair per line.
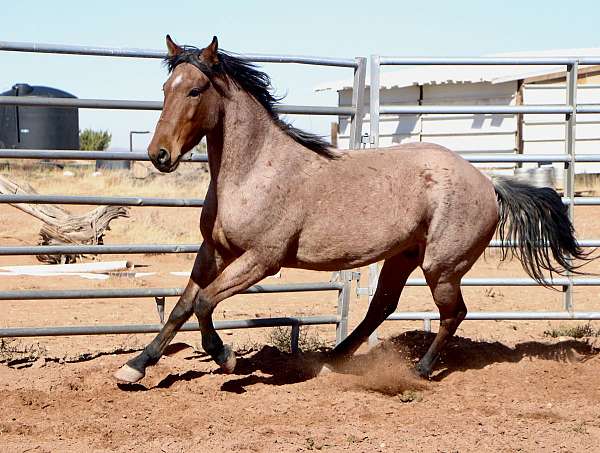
x,y
545,134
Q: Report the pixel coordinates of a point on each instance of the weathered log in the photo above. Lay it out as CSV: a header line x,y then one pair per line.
x,y
62,227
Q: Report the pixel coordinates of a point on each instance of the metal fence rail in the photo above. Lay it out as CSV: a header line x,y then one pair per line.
x,y
157,292
138,156
153,328
111,104
67,49
129,249
88,155
342,287
100,200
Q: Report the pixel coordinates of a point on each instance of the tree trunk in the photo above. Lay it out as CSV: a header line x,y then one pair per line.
x,y
60,226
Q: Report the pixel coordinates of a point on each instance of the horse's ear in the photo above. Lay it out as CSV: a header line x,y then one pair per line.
x,y
173,48
209,53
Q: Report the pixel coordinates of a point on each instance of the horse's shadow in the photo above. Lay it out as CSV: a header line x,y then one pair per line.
x,y
269,366
463,354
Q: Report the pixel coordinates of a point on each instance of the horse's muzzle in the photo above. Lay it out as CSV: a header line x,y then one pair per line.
x,y
163,161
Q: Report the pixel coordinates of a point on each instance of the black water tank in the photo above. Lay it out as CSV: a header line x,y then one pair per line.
x,y
38,127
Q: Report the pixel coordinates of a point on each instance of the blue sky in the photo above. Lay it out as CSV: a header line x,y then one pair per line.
x,y
343,29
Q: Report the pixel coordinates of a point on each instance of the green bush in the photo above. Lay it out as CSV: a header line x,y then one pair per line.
x,y
91,140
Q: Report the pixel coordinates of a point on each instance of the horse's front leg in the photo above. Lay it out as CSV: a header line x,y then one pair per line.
x,y
206,268
242,273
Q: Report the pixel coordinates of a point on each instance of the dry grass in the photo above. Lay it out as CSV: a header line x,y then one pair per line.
x,y
281,338
146,224
580,331
152,225
190,181
12,350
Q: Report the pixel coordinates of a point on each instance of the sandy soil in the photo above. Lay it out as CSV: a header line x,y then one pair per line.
x,y
488,397
502,386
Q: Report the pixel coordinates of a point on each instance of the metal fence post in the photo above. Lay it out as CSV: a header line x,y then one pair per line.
x,y
358,102
295,339
570,138
343,306
374,142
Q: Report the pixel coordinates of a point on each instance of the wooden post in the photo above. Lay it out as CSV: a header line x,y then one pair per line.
x,y
334,134
519,133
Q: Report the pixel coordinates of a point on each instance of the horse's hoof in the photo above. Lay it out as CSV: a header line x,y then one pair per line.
x,y
128,374
228,362
421,372
325,370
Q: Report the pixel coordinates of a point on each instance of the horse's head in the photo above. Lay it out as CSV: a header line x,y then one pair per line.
x,y
192,103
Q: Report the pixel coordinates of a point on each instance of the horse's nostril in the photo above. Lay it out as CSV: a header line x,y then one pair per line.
x,y
163,156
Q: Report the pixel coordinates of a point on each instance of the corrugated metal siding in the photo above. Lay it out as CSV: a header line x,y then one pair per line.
x,y
462,133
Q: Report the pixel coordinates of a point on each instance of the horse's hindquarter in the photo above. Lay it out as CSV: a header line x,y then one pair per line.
x,y
373,204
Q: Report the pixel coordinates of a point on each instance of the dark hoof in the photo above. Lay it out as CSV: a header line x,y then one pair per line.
x,y
226,360
336,362
422,372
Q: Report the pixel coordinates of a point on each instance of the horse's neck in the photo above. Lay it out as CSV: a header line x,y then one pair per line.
x,y
245,139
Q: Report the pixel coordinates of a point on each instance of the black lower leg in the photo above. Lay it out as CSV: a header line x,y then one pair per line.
x,y
448,326
375,316
152,353
211,341
392,278
213,346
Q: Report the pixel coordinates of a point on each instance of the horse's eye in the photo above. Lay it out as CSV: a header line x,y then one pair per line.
x,y
195,92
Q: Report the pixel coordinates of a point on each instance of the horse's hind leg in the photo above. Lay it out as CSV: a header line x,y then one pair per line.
x,y
448,298
392,278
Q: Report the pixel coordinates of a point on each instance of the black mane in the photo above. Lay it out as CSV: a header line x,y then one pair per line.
x,y
258,85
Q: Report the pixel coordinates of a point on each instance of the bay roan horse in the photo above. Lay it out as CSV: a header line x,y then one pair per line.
x,y
280,197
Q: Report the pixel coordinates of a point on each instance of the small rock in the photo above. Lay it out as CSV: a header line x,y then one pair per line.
x,y
39,363
408,396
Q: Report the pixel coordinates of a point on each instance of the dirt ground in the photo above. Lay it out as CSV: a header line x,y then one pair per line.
x,y
501,386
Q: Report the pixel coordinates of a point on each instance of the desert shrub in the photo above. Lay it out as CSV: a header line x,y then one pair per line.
x,y
280,337
579,331
14,350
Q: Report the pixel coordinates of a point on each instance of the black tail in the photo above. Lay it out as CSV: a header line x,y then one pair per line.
x,y
535,223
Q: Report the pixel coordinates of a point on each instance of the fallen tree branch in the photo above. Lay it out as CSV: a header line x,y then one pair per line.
x,y
61,227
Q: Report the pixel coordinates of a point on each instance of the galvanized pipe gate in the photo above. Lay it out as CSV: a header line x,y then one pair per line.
x,y
356,112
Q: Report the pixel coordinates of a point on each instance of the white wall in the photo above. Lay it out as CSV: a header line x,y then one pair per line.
x,y
462,133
